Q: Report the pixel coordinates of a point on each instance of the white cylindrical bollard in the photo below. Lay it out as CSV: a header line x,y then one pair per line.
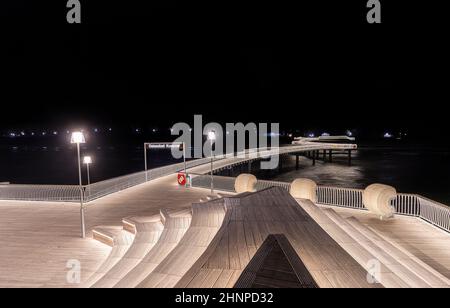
x,y
245,183
304,189
377,199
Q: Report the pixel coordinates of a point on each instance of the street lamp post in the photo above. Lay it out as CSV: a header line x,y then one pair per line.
x,y
145,160
87,160
212,138
78,138
184,161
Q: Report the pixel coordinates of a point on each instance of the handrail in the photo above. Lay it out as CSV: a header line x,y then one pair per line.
x,y
413,205
70,193
66,193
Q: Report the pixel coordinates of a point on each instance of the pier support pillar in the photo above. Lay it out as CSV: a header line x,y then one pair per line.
x,y
330,156
349,157
314,160
249,166
317,154
296,162
324,155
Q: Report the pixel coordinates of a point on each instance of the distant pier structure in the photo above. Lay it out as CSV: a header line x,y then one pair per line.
x,y
318,154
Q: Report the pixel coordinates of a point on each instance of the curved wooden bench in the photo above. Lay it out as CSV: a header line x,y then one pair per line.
x,y
207,219
147,232
120,240
389,276
406,263
175,225
251,220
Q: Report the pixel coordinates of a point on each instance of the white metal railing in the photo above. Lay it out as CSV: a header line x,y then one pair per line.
x,y
66,193
434,213
407,204
404,204
263,184
338,196
70,193
107,187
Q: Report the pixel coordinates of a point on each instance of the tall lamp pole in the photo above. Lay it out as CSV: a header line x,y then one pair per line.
x,y
145,160
78,138
212,138
87,160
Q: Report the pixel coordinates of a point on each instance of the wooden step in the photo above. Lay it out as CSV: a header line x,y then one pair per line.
x,y
176,222
121,243
390,256
207,219
387,276
350,241
211,198
254,218
131,224
106,235
148,230
429,274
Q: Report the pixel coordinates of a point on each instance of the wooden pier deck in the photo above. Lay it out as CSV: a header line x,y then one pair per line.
x,y
37,239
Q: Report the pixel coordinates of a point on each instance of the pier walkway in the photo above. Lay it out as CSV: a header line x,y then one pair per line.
x,y
37,239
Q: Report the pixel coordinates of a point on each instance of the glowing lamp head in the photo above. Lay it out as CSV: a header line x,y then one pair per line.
x,y
77,137
212,135
87,160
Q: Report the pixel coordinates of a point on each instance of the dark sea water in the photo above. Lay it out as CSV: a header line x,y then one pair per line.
x,y
421,169
59,165
424,170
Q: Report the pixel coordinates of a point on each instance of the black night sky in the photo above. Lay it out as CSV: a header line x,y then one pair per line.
x,y
309,66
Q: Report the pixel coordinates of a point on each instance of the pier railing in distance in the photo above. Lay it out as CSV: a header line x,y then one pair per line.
x,y
71,193
63,193
413,205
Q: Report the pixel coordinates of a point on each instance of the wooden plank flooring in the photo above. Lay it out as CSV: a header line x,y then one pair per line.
x,y
426,242
273,211
207,219
392,272
37,239
275,265
122,242
175,226
147,235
